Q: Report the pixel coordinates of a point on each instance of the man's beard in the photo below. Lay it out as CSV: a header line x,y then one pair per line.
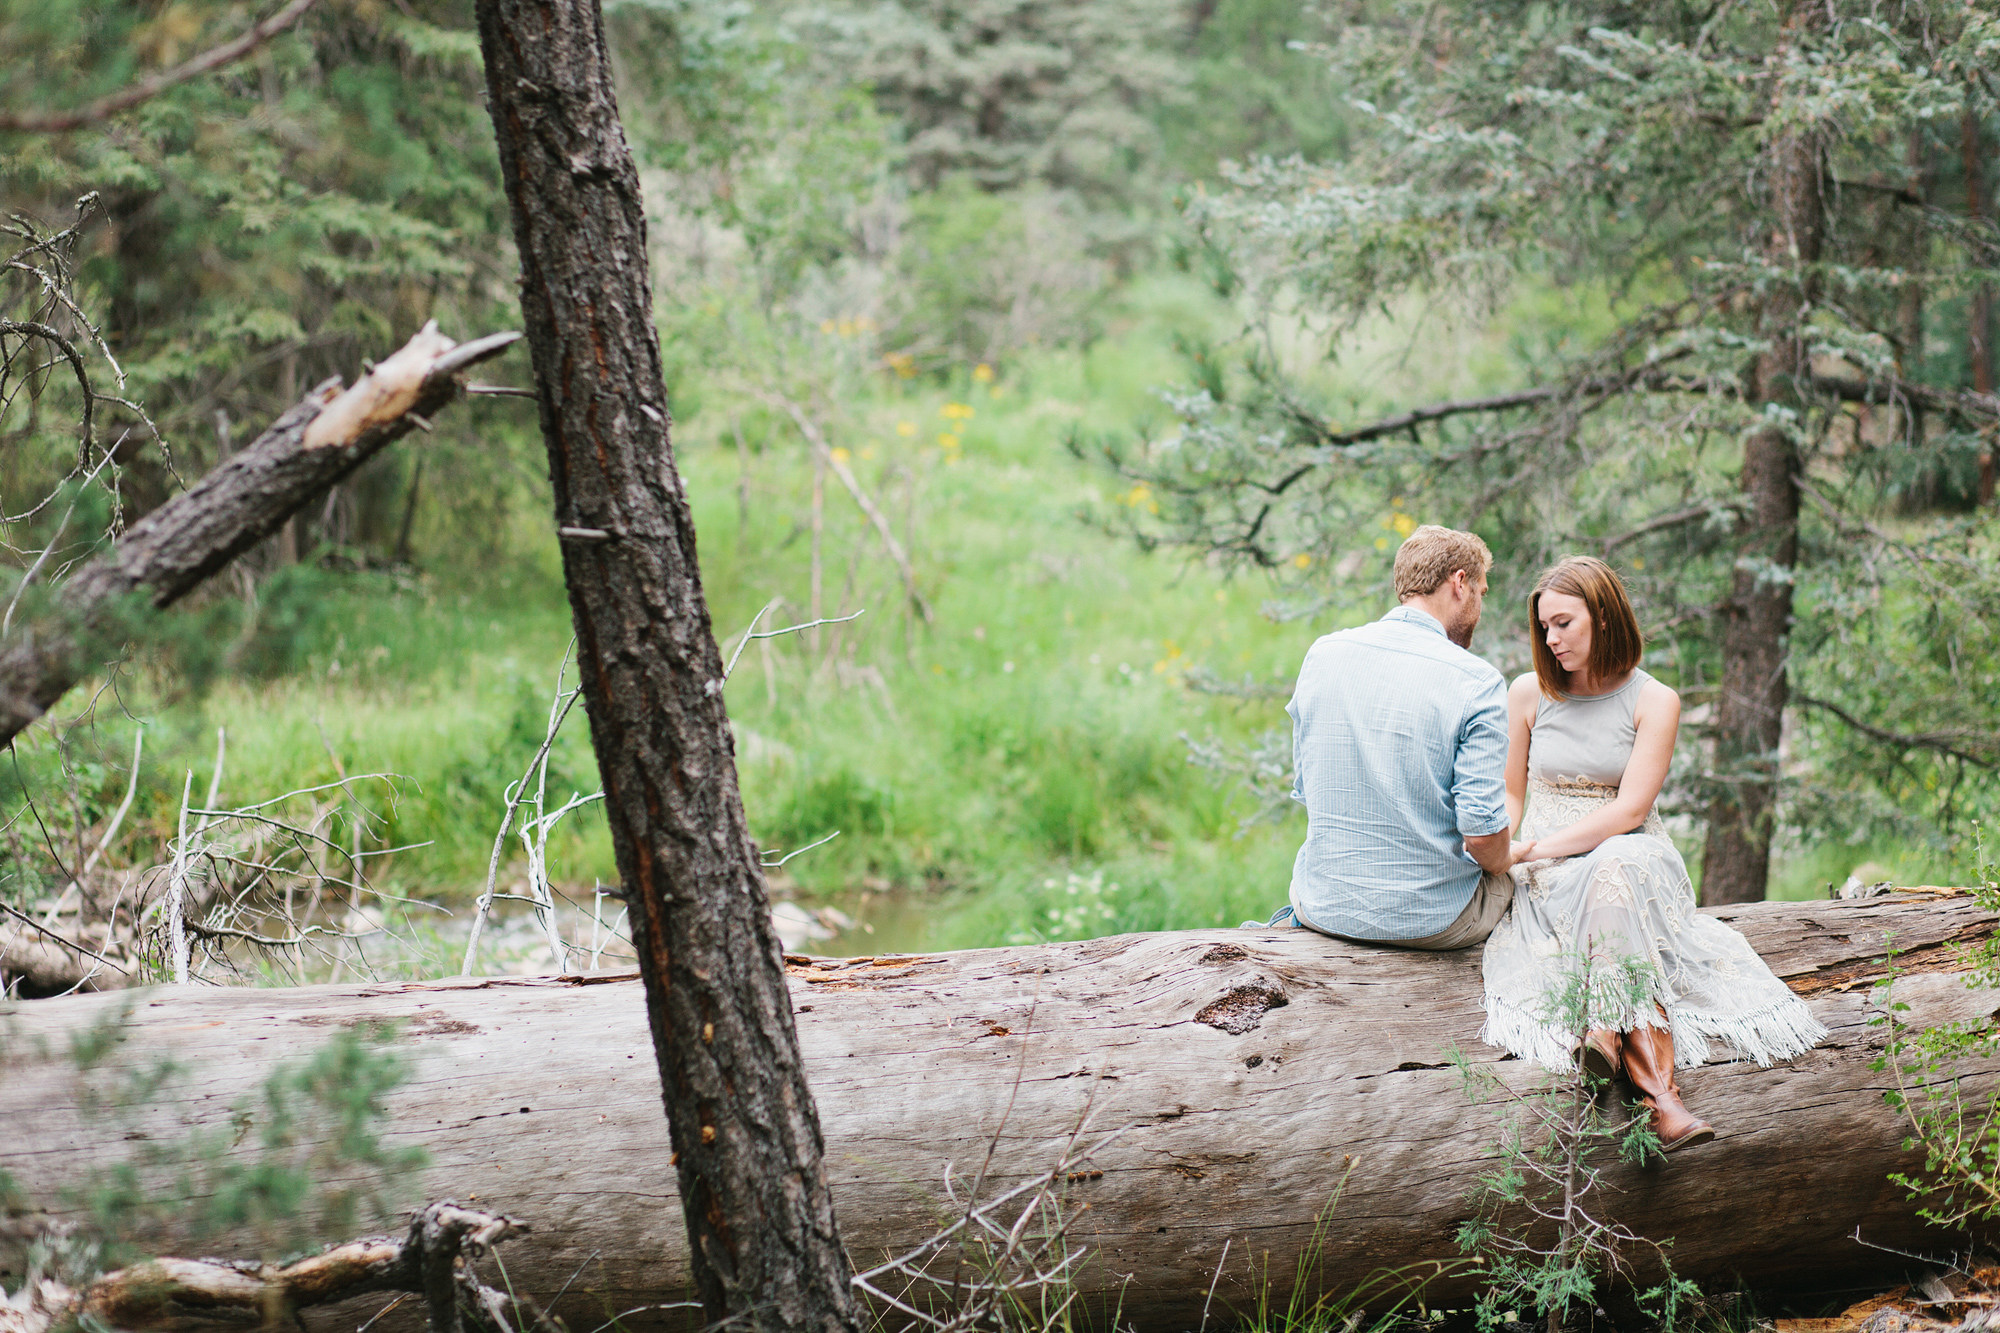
x,y
1460,633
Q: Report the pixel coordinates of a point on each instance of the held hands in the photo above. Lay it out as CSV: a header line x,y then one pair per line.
x,y
1519,852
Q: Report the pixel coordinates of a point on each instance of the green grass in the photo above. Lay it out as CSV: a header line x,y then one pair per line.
x,y
977,767
1011,770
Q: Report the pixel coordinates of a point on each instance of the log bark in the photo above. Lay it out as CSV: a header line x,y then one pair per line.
x,y
745,1134
1258,1078
243,500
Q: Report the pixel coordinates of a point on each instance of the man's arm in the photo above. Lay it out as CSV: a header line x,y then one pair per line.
x,y
1495,854
1485,819
1478,791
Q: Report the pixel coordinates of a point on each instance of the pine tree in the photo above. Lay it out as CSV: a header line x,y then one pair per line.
x,y
1748,218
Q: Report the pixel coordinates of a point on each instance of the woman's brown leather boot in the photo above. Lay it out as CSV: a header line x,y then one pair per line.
x,y
1649,1063
1603,1054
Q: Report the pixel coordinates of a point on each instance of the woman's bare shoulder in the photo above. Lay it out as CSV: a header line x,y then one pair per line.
x,y
1523,696
1658,699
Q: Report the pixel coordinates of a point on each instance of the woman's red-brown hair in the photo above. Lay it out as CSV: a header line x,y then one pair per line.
x,y
1616,642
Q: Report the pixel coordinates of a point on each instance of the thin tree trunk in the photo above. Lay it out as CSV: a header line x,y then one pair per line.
x,y
1757,617
741,1120
814,611
1910,361
409,514
1980,338
742,488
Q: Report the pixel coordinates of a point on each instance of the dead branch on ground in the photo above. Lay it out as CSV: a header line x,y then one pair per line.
x,y
433,1260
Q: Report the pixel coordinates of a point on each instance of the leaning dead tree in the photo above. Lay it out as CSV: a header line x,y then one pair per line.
x,y
745,1134
1280,1107
244,500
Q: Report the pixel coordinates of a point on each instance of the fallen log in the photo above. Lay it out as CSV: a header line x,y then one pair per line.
x,y
1256,1080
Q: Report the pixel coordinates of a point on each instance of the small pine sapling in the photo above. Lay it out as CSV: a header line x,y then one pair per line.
x,y
1538,1228
1957,1128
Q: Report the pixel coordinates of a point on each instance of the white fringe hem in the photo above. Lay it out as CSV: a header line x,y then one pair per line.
x,y
1776,1032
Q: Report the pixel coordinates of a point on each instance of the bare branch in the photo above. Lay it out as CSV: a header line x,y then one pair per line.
x,y
31,329
54,122
66,943
822,450
1597,390
1974,747
1679,518
773,865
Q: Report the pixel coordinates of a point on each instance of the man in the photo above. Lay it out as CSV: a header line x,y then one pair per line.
x,y
1399,740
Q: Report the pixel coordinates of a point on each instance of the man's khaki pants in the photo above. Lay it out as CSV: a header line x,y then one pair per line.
x,y
1489,903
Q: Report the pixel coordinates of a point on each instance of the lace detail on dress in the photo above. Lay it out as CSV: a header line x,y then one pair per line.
x,y
1628,902
1554,806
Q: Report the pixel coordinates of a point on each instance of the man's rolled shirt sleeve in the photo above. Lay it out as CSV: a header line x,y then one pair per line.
x,y
1478,785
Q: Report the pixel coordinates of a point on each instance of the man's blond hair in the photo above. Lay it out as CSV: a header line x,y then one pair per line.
x,y
1432,554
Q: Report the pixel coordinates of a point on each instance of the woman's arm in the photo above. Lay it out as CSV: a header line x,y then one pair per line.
x,y
1522,696
1658,722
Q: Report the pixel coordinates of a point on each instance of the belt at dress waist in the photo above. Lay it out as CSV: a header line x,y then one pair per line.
x,y
1562,786
1558,803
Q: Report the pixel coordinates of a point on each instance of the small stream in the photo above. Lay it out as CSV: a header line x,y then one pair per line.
x,y
867,923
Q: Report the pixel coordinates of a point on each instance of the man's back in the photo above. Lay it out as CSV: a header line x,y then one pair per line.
x,y
1399,739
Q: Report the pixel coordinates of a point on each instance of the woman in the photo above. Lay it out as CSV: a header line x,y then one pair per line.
x,y
1601,894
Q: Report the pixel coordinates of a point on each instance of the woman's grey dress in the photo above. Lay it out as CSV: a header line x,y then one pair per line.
x,y
1629,898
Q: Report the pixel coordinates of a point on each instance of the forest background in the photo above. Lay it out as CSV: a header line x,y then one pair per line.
x,y
996,267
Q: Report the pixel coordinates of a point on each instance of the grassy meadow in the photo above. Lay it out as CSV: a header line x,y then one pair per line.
x,y
1013,769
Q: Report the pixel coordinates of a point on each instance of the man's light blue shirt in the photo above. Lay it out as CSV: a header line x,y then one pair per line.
x,y
1399,746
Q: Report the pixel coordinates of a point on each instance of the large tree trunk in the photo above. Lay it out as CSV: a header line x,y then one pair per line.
x,y
1258,1078
1979,347
1757,617
745,1134
239,503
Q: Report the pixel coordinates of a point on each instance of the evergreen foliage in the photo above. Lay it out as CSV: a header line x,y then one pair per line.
x,y
1616,166
1539,1227
271,224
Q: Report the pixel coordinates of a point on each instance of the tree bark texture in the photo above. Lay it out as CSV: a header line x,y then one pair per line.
x,y
1979,343
1757,615
242,501
1255,1078
745,1134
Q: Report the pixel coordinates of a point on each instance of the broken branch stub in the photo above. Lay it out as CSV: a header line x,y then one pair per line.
x,y
243,500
